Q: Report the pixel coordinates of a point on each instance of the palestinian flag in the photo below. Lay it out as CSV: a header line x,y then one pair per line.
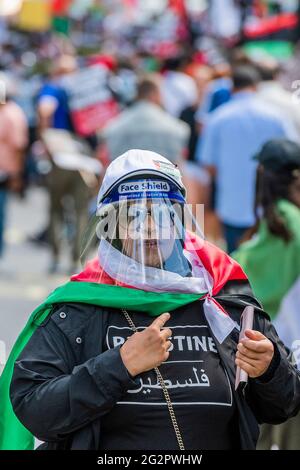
x,y
281,26
85,288
273,269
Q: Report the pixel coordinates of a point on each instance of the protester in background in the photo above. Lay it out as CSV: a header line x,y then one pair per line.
x,y
202,76
195,178
13,142
147,126
52,107
218,92
68,192
272,93
272,259
233,134
53,112
179,90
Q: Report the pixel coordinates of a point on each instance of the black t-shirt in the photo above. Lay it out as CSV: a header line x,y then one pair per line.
x,y
198,385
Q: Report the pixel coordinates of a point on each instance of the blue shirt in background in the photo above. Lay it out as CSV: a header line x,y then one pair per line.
x,y
219,92
232,136
61,118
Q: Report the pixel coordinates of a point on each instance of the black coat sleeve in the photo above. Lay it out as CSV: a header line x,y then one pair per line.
x,y
275,396
53,398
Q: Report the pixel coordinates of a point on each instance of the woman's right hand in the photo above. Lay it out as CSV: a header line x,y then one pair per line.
x,y
147,349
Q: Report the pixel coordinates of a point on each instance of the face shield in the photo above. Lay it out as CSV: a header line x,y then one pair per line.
x,y
140,237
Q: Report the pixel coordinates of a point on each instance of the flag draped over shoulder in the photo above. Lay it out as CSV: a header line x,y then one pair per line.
x,y
85,288
273,269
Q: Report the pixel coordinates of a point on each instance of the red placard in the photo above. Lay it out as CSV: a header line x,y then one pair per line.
x,y
91,102
91,119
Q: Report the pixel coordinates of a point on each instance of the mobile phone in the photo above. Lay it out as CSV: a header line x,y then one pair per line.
x,y
241,378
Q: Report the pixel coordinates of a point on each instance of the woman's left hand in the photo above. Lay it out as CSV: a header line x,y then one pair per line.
x,y
255,353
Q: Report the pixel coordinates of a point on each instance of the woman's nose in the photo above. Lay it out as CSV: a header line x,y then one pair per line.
x,y
149,227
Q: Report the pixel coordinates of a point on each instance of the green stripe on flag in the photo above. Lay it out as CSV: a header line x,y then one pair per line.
x,y
13,435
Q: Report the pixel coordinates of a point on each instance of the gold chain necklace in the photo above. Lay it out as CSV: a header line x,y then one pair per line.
x,y
164,389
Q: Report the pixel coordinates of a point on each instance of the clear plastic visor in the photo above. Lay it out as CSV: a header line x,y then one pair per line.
x,y
143,243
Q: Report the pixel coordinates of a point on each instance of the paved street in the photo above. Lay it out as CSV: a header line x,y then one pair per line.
x,y
24,281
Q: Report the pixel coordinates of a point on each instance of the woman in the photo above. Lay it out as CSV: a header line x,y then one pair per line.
x,y
137,351
271,259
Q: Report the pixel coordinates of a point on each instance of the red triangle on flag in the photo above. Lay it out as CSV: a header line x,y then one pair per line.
x,y
60,7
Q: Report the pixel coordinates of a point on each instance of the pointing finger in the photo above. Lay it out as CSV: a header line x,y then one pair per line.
x,y
160,321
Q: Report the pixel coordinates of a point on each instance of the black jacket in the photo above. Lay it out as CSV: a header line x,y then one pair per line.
x,y
62,386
